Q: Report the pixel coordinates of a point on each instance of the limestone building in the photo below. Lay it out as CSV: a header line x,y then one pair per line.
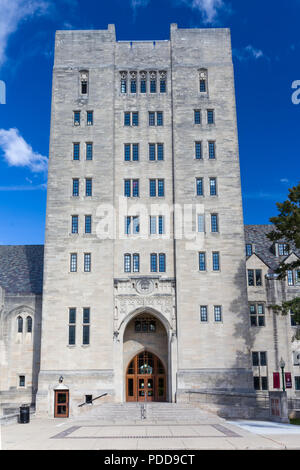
x,y
147,292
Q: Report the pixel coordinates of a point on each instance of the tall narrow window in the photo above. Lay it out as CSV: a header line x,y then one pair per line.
x,y
123,84
86,326
151,118
135,152
75,190
84,76
216,261
160,151
213,186
127,263
87,262
88,224
201,223
152,152
136,262
203,80
143,82
74,223
202,261
210,116
198,150
89,118
153,262
127,119
212,150
162,263
73,262
199,186
76,151
20,324
21,380
152,82
290,278
163,82
89,151
159,118
72,326
127,152
76,118
203,314
88,186
29,324
197,116
218,313
214,223
135,118
133,82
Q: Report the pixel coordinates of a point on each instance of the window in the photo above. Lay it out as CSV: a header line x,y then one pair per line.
x,y
255,277
211,150
214,223
156,152
20,324
87,262
257,315
72,326
76,115
74,223
216,261
199,186
163,87
29,324
75,190
76,151
293,277
156,188
213,186
210,116
131,188
90,118
203,80
131,152
260,380
131,118
158,262
84,76
135,263
86,326
89,151
202,261
73,262
198,150
201,223
155,118
202,86
132,225
218,313
197,116
143,86
152,82
203,314
88,224
157,225
249,249
123,84
297,382
145,325
133,85
88,186
283,249
21,380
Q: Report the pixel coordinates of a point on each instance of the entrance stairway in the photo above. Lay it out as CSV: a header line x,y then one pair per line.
x,y
116,413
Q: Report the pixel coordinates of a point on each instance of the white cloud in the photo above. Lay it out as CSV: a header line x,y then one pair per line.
x,y
209,9
19,153
249,52
13,12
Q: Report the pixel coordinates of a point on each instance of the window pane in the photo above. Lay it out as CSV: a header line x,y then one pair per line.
x,y
126,119
163,86
74,223
135,152
213,186
88,187
72,330
161,188
218,313
199,184
162,263
133,86
127,188
123,86
216,261
161,228
86,315
76,151
159,118
263,358
152,188
135,188
214,223
73,262
153,262
197,116
203,313
86,334
198,150
135,119
211,150
90,118
152,152
136,263
160,151
143,86
210,116
75,191
258,275
255,359
202,262
151,119
88,224
89,151
152,225
202,86
250,277
201,223
127,263
152,86
87,262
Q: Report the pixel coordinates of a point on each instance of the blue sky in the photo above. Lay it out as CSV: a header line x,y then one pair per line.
x,y
266,47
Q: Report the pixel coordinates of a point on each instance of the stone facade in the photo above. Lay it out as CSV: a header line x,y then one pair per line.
x,y
98,279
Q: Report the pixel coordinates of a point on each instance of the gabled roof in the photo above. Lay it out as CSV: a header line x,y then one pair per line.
x,y
21,268
257,235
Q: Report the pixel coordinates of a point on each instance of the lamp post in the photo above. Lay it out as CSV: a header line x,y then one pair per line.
x,y
282,366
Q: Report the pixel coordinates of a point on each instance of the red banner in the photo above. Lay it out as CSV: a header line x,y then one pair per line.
x,y
288,380
276,380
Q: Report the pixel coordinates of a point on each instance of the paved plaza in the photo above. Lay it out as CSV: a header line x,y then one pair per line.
x,y
209,433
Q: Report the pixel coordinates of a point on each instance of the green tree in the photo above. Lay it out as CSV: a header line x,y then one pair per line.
x,y
287,229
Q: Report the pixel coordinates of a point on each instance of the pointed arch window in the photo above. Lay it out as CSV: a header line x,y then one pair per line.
x,y
20,324
84,79
29,324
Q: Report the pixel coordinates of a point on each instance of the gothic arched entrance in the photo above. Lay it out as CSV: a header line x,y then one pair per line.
x,y
145,378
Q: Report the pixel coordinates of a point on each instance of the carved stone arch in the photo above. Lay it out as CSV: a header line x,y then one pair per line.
x,y
23,310
150,350
164,321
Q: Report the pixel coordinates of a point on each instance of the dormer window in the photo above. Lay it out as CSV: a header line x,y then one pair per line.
x,y
283,249
84,76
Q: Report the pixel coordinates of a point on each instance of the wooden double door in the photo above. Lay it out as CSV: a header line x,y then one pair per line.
x,y
145,379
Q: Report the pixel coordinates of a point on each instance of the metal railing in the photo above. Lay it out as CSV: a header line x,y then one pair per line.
x,y
90,402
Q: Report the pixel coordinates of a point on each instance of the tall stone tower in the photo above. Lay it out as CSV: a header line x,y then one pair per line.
x,y
144,274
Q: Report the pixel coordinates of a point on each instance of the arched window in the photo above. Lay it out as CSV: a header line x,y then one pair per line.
x,y
20,324
29,325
